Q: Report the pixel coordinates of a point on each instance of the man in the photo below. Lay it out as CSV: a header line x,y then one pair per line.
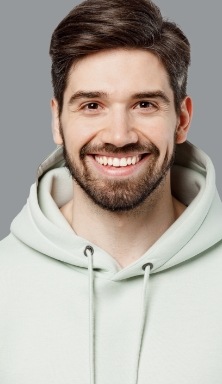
x,y
113,274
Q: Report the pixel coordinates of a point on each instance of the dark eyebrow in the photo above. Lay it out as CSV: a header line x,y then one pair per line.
x,y
152,95
86,95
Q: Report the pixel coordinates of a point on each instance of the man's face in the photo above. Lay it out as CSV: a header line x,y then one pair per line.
x,y
118,127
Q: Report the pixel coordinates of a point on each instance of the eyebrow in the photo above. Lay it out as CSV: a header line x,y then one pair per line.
x,y
100,94
152,95
86,95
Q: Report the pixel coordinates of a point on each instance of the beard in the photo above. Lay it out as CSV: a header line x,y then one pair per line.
x,y
119,195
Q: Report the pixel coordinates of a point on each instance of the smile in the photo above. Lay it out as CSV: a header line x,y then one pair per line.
x,y
118,162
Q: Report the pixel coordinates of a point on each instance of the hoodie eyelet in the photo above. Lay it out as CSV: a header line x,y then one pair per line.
x,y
90,249
146,265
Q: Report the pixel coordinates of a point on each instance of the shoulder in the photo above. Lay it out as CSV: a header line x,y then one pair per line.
x,y
12,252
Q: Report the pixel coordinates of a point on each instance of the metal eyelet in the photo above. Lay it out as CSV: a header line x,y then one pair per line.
x,y
146,265
90,249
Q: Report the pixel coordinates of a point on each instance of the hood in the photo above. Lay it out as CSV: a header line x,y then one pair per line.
x,y
42,227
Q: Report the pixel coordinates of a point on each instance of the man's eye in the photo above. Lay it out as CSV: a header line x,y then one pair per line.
x,y
92,106
145,104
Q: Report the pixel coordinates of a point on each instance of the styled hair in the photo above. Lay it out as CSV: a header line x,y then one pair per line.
x,y
97,25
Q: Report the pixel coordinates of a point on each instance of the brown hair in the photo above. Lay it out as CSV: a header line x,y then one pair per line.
x,y
97,25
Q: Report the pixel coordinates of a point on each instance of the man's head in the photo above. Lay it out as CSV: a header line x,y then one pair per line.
x,y
97,25
120,102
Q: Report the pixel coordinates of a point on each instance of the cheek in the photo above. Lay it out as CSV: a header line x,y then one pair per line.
x,y
161,134
79,131
75,137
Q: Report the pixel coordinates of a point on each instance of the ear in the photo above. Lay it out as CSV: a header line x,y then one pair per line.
x,y
184,120
56,123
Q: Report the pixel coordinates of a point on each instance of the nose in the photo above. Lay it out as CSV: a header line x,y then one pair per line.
x,y
119,130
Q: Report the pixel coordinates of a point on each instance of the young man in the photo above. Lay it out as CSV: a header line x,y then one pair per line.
x,y
113,274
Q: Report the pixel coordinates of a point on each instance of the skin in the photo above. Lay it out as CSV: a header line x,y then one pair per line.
x,y
116,116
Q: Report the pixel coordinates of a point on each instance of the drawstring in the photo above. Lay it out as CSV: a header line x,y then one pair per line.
x,y
88,252
147,268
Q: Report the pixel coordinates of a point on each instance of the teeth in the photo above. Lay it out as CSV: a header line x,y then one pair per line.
x,y
134,160
123,162
117,162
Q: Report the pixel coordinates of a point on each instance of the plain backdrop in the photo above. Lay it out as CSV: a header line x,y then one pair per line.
x,y
25,87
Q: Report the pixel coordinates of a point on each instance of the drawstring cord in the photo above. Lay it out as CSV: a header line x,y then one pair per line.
x,y
88,252
147,268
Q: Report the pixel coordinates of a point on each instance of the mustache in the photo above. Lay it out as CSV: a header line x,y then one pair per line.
x,y
88,149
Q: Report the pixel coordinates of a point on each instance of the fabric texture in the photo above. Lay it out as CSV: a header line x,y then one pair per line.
x,y
70,314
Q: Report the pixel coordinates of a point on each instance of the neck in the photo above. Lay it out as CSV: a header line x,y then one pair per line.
x,y
126,236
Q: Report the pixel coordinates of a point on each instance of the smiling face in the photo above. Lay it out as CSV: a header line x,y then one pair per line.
x,y
119,126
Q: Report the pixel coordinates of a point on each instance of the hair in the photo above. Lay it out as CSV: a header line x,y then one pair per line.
x,y
97,25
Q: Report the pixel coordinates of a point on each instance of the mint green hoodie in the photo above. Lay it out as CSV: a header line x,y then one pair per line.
x,y
69,314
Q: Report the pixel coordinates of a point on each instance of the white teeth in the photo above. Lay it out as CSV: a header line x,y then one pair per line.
x,y
117,162
134,160
123,162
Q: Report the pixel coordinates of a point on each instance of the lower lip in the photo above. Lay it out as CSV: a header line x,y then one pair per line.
x,y
127,171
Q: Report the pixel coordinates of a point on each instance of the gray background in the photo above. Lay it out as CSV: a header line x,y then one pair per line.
x,y
25,88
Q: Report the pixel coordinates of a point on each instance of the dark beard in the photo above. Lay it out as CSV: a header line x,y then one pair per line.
x,y
119,195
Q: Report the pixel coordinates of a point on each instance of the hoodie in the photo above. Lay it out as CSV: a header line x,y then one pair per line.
x,y
69,313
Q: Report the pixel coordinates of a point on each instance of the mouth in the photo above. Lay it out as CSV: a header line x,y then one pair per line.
x,y
118,162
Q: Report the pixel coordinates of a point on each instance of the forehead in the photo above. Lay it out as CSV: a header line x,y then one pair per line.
x,y
117,71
